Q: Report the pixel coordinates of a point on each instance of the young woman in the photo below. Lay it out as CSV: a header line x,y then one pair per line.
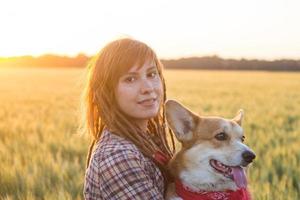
x,y
124,111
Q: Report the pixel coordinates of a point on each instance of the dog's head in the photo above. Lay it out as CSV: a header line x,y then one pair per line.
x,y
213,155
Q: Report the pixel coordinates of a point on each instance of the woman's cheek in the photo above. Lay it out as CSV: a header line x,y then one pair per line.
x,y
159,89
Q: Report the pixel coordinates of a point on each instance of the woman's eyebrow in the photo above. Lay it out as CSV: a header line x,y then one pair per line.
x,y
130,73
151,68
133,72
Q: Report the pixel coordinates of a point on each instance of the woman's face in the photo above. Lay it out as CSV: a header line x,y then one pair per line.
x,y
139,92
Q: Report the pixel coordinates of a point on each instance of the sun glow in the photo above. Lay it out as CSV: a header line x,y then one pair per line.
x,y
252,29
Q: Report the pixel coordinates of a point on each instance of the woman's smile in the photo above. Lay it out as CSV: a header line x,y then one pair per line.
x,y
150,102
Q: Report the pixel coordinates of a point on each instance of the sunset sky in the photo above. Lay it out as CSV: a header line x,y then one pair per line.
x,y
263,29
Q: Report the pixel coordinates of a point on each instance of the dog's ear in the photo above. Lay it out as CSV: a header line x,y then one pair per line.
x,y
239,117
181,120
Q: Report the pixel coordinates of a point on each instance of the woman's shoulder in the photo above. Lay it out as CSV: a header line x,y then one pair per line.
x,y
111,146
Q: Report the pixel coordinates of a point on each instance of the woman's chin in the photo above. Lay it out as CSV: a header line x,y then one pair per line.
x,y
146,115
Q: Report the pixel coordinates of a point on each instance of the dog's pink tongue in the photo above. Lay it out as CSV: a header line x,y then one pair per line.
x,y
239,177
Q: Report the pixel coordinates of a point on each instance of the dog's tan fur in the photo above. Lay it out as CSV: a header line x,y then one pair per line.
x,y
197,137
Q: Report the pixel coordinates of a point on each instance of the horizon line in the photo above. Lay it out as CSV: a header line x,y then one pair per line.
x,y
161,58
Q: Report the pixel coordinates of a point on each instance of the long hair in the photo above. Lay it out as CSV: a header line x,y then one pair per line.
x,y
100,105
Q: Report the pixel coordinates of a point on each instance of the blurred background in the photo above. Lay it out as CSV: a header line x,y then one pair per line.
x,y
219,56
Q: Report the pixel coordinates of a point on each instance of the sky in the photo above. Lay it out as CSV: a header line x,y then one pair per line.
x,y
262,29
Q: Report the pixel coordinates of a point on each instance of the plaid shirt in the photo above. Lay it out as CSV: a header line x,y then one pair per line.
x,y
118,170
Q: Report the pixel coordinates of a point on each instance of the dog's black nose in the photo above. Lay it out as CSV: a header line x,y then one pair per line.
x,y
248,156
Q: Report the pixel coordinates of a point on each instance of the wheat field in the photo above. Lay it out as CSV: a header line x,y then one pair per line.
x,y
43,157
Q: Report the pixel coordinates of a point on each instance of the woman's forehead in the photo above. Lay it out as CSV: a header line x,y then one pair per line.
x,y
148,64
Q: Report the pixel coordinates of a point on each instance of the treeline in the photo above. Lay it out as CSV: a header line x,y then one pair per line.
x,y
215,62
208,62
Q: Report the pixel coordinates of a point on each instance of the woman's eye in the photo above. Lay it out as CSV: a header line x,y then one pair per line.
x,y
130,79
152,74
221,136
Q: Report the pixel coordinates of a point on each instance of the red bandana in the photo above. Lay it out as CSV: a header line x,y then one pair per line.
x,y
184,193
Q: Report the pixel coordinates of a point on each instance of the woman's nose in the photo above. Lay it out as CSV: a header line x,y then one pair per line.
x,y
146,86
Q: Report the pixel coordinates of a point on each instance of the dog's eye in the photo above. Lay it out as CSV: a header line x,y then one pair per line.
x,y
221,136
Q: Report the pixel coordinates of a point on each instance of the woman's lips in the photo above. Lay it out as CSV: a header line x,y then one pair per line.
x,y
147,102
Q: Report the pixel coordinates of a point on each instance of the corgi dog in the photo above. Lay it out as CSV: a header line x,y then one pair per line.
x,y
212,160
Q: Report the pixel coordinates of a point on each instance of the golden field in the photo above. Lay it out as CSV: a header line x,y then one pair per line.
x,y
43,157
